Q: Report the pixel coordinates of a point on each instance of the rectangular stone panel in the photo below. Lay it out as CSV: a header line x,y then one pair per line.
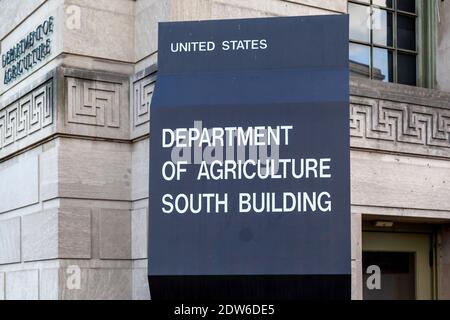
x,y
10,240
396,181
115,234
40,236
94,170
95,105
105,25
74,233
19,182
22,285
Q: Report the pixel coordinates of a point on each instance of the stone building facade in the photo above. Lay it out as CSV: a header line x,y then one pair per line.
x,y
74,146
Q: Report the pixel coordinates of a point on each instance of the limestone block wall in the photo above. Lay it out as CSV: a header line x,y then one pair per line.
x,y
26,183
400,137
66,199
74,146
400,162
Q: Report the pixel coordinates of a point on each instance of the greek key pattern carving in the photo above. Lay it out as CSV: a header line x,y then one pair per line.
x,y
141,98
374,119
27,115
94,103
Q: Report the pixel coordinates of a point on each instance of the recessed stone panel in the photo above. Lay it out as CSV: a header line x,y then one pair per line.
x,y
19,182
22,285
40,236
396,181
115,234
94,170
10,241
74,233
103,24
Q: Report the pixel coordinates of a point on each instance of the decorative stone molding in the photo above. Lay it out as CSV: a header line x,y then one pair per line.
x,y
95,105
27,115
385,117
142,87
399,122
396,124
23,121
66,101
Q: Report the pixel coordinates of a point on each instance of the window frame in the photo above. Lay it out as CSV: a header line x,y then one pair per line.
x,y
426,39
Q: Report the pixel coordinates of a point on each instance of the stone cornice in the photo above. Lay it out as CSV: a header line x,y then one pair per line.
x,y
400,119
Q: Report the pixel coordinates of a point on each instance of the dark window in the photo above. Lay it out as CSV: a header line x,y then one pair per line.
x,y
406,5
406,32
383,42
406,68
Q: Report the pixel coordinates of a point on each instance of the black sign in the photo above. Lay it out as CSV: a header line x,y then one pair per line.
x,y
249,159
